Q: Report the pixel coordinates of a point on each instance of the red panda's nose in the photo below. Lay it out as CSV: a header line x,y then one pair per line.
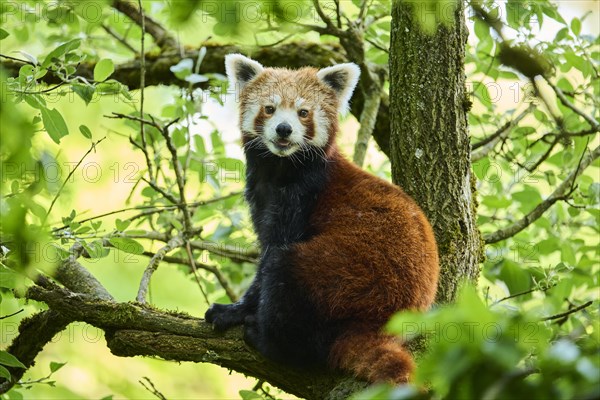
x,y
283,130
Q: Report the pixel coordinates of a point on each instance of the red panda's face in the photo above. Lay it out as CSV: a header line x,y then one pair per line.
x,y
288,111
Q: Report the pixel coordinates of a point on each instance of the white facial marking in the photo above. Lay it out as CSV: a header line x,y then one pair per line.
x,y
249,114
298,103
276,99
321,128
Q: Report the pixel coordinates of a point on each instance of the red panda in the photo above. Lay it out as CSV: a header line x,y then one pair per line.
x,y
341,250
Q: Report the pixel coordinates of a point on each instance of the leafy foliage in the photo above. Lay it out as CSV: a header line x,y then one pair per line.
x,y
182,177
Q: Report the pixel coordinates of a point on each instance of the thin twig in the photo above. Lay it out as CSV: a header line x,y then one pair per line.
x,y
330,28
235,253
571,311
484,146
543,157
563,99
11,315
116,115
377,46
17,59
338,13
187,221
142,87
192,264
199,265
152,389
512,296
152,209
92,147
119,38
560,193
165,194
41,91
174,243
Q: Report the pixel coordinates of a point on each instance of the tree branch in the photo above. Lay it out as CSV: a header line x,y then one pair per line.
x,y
210,268
566,313
34,333
174,243
559,193
235,253
119,38
483,147
289,55
368,118
161,36
563,99
133,330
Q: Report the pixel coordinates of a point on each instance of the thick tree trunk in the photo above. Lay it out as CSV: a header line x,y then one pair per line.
x,y
429,142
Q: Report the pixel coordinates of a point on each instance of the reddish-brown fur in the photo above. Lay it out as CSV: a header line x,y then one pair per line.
x,y
366,264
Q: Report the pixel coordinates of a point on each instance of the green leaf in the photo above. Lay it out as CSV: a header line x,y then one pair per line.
x,y
122,225
196,78
482,30
576,26
9,360
86,92
85,131
54,123
103,69
35,100
54,366
217,143
4,373
515,276
249,395
199,145
594,193
83,230
183,68
3,34
127,245
96,249
60,51
14,187
562,34
15,395
567,254
7,279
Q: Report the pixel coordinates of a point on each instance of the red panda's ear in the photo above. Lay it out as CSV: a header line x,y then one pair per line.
x,y
240,70
342,78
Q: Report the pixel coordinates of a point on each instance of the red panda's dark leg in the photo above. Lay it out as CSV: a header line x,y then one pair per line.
x,y
287,327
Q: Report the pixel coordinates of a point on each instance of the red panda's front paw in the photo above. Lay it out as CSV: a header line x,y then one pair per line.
x,y
225,316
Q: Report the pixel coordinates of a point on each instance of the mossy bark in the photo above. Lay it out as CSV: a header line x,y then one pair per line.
x,y
429,142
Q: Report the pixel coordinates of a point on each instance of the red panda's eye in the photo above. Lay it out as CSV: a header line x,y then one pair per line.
x,y
303,113
269,109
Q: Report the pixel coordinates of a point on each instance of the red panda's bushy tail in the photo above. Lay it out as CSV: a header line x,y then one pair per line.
x,y
372,356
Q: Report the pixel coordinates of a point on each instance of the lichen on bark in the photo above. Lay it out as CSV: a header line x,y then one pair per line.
x,y
430,150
